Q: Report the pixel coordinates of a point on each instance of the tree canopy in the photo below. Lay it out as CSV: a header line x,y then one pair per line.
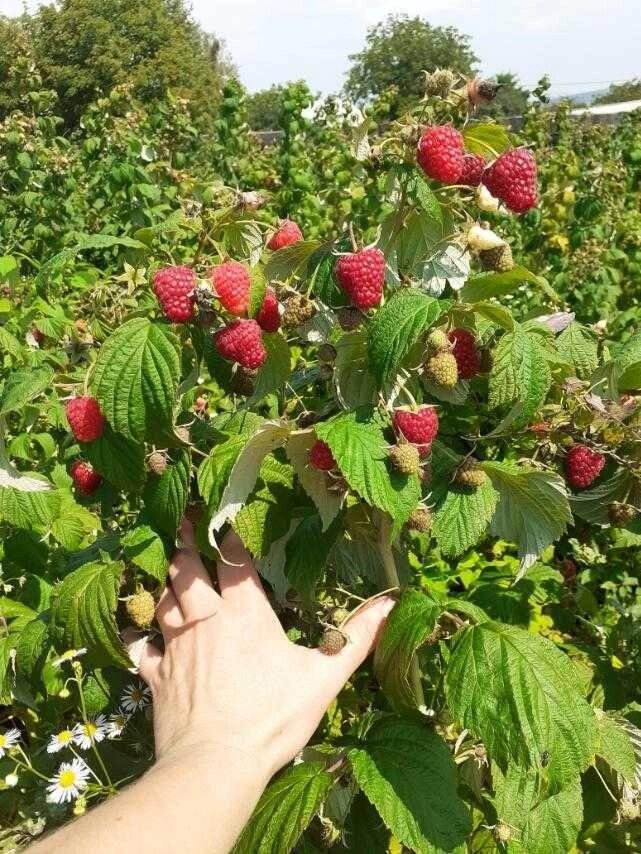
x,y
263,108
397,50
83,48
628,91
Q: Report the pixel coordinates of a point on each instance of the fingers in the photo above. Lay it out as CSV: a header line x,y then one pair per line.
x,y
168,613
237,575
150,658
190,581
363,631
144,655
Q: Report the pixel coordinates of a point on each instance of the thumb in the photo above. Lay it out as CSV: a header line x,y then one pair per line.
x,y
362,632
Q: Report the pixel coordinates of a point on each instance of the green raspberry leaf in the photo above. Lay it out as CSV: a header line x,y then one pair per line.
x,y
118,459
135,379
483,286
521,696
285,809
276,370
615,746
359,447
396,327
143,547
82,613
307,552
533,508
409,625
488,139
266,516
165,497
257,290
21,387
407,772
578,347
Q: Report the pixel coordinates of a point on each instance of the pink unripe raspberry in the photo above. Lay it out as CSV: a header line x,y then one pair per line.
x,y
512,178
465,353
321,457
288,233
175,289
473,167
583,466
440,154
361,275
232,284
85,478
419,426
268,317
85,418
242,342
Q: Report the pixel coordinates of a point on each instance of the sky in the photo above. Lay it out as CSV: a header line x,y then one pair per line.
x,y
582,44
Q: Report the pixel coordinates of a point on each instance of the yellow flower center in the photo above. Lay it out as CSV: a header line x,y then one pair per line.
x,y
90,730
137,695
67,779
3,741
65,736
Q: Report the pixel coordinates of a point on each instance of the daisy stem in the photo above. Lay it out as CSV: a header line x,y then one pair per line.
x,y
28,766
91,771
85,719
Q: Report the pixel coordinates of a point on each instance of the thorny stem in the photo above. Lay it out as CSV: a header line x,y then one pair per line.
x,y
391,576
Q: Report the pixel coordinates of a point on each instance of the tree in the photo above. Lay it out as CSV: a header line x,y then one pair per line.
x,y
84,48
263,108
511,99
628,91
397,50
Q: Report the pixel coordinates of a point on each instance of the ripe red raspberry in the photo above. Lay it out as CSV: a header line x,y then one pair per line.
x,y
362,276
419,427
512,179
175,289
268,317
465,353
85,418
321,457
232,283
242,342
85,478
473,166
440,154
287,233
583,466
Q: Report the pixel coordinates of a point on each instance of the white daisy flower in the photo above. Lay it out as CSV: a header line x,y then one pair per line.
x,y
70,780
117,722
69,655
8,740
61,739
86,735
135,697
11,780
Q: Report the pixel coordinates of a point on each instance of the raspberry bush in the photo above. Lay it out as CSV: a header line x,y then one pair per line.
x,y
372,405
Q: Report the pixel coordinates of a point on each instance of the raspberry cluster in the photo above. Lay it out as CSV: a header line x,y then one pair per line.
x,y
321,457
419,426
512,178
583,466
361,275
287,233
85,418
85,478
465,352
232,284
242,342
175,288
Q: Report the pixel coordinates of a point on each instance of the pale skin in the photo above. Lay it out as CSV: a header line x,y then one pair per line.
x,y
234,701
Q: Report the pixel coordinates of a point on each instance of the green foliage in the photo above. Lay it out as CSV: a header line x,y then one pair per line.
x,y
396,53
509,664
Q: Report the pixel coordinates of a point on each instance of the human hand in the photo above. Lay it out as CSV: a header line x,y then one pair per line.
x,y
229,677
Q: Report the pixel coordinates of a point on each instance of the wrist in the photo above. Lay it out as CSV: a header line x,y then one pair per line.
x,y
210,757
